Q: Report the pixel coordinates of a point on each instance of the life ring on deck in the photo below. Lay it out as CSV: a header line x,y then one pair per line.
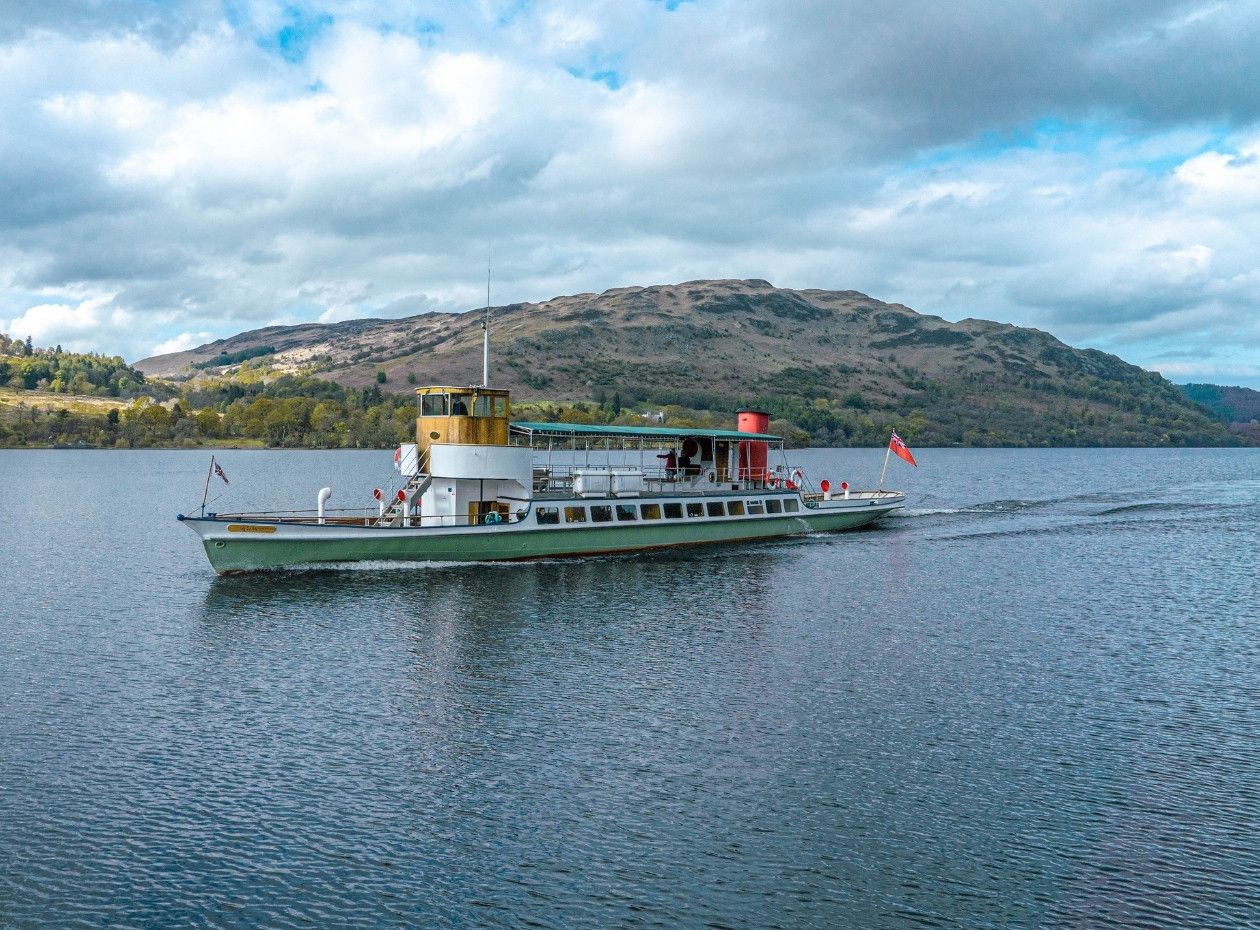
x,y
790,484
494,517
772,482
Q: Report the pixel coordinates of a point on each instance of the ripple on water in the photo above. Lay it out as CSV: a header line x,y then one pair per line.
x,y
1039,710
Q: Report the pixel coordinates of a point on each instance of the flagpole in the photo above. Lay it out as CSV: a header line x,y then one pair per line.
x,y
206,492
884,471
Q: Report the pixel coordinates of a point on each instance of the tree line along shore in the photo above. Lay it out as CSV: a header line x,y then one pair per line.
x,y
51,397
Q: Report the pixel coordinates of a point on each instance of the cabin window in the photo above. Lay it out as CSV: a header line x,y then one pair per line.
x,y
774,505
500,406
627,512
547,515
695,510
651,511
791,505
673,511
735,508
601,514
716,509
433,405
574,514
461,405
483,405
754,508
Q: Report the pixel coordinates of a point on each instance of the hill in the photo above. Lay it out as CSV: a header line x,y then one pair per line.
x,y
1234,404
838,364
1238,406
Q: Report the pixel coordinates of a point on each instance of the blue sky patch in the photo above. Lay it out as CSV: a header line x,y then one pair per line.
x,y
293,40
609,77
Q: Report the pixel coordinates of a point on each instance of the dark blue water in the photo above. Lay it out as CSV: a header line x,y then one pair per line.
x,y
1031,701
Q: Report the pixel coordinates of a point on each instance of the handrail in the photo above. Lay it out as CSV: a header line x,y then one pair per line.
x,y
370,518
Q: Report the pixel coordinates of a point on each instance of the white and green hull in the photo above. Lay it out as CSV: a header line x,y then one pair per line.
x,y
246,543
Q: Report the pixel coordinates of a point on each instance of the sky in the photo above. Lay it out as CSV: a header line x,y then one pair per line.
x,y
174,171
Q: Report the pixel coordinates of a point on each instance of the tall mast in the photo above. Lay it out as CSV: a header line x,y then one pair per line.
x,y
485,331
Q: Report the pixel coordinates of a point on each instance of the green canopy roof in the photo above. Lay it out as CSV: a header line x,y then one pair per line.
x,y
591,430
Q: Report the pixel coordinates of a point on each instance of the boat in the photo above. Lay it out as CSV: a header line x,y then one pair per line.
x,y
476,486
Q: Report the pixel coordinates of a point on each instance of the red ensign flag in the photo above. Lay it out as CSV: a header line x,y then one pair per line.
x,y
900,449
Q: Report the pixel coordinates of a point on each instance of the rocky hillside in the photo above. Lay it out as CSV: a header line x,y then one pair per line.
x,y
840,365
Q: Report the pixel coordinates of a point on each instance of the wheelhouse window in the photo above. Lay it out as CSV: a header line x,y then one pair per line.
x,y
755,509
673,511
716,509
601,514
735,508
547,515
500,406
433,405
774,505
650,511
482,406
574,514
627,512
791,505
461,405
695,509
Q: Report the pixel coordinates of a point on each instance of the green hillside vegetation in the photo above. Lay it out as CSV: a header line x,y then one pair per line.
x,y
838,366
287,412
1239,406
235,358
833,368
1234,404
87,375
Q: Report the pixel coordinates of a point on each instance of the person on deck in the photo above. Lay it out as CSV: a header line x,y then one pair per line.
x,y
671,464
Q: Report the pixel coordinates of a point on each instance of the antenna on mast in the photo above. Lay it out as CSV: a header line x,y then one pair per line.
x,y
485,331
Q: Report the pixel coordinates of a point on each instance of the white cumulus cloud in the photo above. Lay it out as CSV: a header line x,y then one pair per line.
x,y
172,171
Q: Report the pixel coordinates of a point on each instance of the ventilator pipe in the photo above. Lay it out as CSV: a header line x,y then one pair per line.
x,y
380,500
320,501
844,486
825,485
406,510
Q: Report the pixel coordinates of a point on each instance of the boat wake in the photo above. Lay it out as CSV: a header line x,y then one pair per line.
x,y
1159,506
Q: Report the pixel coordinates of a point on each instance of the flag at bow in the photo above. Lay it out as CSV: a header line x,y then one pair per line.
x,y
897,446
218,470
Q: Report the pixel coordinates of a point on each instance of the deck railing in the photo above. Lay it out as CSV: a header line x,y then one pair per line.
x,y
351,517
660,480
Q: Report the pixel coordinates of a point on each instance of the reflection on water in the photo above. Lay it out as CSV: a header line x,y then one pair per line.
x,y
1030,701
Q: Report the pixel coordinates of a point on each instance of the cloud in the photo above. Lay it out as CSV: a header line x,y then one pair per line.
x,y
1205,371
181,343
202,168
77,326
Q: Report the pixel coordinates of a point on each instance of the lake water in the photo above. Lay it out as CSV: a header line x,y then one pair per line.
x,y
1033,700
